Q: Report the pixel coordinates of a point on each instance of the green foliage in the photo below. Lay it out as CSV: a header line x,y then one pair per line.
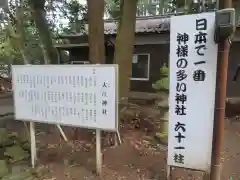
x,y
113,8
18,31
8,52
164,71
9,55
157,7
163,83
18,35
75,13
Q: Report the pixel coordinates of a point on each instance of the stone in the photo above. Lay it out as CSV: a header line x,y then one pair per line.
x,y
23,139
26,146
66,162
4,140
163,95
12,134
163,103
163,123
3,122
76,171
165,116
147,138
2,150
3,168
162,137
16,153
30,178
24,175
19,167
40,171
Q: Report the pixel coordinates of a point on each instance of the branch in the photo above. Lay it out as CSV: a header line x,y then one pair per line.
x,y
37,4
11,16
5,79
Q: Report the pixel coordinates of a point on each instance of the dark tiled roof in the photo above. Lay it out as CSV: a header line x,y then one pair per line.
x,y
143,25
152,24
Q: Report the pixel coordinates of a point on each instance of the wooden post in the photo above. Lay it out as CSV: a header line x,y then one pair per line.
x,y
169,172
98,152
33,144
221,87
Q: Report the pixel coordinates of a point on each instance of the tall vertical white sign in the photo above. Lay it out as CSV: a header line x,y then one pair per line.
x,y
193,64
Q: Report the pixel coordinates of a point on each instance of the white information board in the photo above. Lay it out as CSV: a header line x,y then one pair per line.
x,y
193,65
75,95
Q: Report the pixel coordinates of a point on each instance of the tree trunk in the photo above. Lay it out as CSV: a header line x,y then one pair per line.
x,y
125,46
96,31
38,13
95,35
17,34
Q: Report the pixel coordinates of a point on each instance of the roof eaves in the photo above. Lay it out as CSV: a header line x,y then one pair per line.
x,y
111,26
69,46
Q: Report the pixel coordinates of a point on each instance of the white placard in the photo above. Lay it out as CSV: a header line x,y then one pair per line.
x,y
76,95
193,64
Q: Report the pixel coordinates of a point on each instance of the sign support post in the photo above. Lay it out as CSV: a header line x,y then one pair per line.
x,y
169,172
221,86
62,133
33,144
98,152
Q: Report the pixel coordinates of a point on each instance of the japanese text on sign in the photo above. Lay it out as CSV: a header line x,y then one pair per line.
x,y
201,46
72,95
193,60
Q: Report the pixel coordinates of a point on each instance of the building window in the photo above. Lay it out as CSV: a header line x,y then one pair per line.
x,y
79,62
140,67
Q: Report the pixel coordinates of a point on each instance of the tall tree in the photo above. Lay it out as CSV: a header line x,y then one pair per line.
x,y
14,26
75,13
96,31
125,45
39,16
18,33
160,7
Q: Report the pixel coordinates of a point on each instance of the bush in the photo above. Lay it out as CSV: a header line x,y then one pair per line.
x,y
163,83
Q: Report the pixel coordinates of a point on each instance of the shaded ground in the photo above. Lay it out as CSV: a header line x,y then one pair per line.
x,y
139,157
